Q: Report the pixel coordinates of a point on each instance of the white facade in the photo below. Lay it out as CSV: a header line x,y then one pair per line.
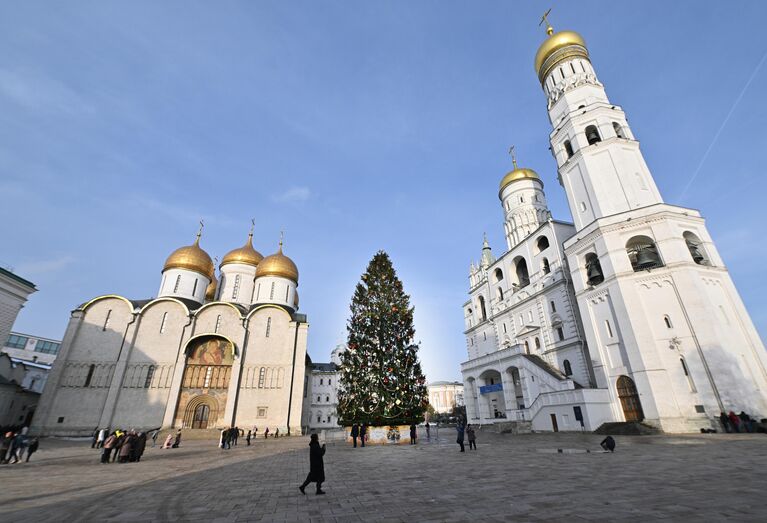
x,y
444,396
35,355
183,283
321,393
177,361
14,292
637,281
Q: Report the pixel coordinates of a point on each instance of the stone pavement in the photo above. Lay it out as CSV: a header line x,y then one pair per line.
x,y
522,478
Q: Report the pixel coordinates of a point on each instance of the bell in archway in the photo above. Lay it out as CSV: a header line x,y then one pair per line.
x,y
594,273
647,258
695,253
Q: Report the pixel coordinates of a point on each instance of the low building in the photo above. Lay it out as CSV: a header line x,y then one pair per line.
x,y
445,395
14,291
321,393
35,355
17,404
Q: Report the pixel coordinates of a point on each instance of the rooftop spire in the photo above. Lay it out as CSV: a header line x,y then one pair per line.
x,y
513,156
545,20
199,233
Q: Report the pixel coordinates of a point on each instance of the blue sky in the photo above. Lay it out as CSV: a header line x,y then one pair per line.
x,y
354,126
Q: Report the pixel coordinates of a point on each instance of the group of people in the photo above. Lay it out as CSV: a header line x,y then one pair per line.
x,y
123,447
737,422
13,445
358,431
466,432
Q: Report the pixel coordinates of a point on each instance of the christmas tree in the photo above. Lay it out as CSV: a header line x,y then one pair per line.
x,y
381,378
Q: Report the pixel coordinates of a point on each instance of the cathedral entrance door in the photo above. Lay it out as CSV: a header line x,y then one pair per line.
x,y
627,393
200,420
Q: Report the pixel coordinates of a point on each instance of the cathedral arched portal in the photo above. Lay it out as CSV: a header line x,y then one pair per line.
x,y
492,402
205,384
627,393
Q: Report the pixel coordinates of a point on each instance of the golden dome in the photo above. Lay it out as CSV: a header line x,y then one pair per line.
x,y
210,291
278,265
245,254
519,173
192,258
554,43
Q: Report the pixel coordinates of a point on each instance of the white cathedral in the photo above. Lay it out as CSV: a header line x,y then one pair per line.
x,y
626,315
207,353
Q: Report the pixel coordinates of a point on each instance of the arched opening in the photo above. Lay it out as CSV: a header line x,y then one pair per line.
x,y
618,130
629,397
594,274
527,347
523,277
483,311
546,267
542,243
568,368
206,377
667,321
643,253
499,293
498,275
514,378
537,343
491,392
592,135
569,149
695,246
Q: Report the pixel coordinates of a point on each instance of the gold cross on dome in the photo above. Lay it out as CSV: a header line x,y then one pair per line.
x,y
252,225
199,233
513,157
545,20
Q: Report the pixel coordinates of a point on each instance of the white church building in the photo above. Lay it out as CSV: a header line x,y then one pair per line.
x,y
209,352
627,314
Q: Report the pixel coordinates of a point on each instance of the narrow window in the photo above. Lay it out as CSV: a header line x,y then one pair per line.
x,y
568,368
592,135
268,325
471,341
236,289
482,308
562,72
218,323
319,418
194,287
329,381
484,336
530,316
327,399
522,199
667,321
261,376
208,376
287,292
500,293
504,328
560,333
583,206
572,67
521,320
89,376
320,381
569,149
178,283
609,329
553,306
618,130
527,347
537,343
258,292
687,375
318,400
149,376
162,323
271,292
546,266
106,320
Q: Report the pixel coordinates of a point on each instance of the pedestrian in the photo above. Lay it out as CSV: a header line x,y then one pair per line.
x,y
235,432
413,434
266,433
734,421
725,421
177,441
277,433
460,430
95,437
355,434
472,436
168,442
126,448
363,434
33,445
118,444
316,466
608,444
18,444
109,444
140,445
101,438
247,438
255,432
745,421
5,445
155,433
223,437
428,430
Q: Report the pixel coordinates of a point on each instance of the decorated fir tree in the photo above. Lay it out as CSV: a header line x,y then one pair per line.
x,y
381,378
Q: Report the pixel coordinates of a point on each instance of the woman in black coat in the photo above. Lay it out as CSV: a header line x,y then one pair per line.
x,y
316,466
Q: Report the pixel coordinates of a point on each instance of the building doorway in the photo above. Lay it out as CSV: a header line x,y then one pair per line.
x,y
200,419
627,393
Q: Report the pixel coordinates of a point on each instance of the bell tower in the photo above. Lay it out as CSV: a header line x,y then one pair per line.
x,y
667,331
599,161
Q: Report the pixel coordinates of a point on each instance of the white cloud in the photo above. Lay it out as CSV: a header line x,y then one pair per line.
x,y
40,267
293,195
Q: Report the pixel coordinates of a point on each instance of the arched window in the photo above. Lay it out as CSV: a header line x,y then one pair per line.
x,y
594,274
687,375
618,130
592,135
569,149
178,283
499,293
236,289
527,347
667,321
537,343
643,253
695,246
542,243
482,308
568,368
498,275
523,277
546,266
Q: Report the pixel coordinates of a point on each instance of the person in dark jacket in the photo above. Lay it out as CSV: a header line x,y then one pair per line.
x,y
33,445
355,434
140,445
460,430
725,421
247,438
316,466
472,437
363,433
177,442
413,434
608,444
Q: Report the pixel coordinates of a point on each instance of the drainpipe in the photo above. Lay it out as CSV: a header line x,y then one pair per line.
x,y
293,373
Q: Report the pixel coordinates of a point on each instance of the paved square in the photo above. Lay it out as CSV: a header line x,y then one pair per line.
x,y
524,478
